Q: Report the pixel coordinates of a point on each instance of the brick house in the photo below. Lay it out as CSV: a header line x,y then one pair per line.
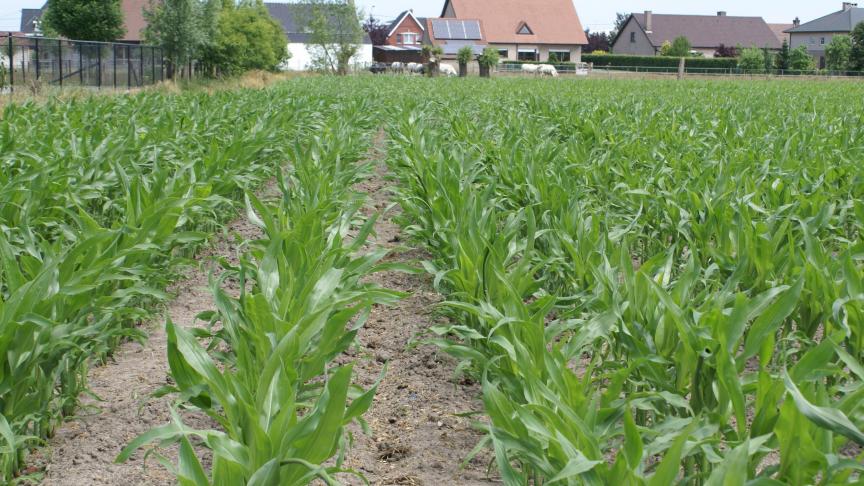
x,y
405,38
535,30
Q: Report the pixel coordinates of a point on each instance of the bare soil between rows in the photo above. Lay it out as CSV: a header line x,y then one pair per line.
x,y
416,434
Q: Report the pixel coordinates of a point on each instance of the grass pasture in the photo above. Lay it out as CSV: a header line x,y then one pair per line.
x,y
654,282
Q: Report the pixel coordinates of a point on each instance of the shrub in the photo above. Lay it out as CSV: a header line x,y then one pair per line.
x,y
752,60
616,60
800,60
464,55
838,53
680,47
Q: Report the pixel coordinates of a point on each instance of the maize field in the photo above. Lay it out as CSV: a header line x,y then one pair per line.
x,y
652,282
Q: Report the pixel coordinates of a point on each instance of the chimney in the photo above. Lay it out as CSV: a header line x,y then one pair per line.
x,y
721,13
649,21
796,23
849,6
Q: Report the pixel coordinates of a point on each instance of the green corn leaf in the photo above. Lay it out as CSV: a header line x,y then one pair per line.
x,y
828,418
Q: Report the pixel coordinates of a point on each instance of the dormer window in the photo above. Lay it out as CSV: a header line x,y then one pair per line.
x,y
524,29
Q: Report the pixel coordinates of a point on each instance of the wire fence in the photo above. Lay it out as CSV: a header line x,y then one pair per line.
x,y
593,69
37,61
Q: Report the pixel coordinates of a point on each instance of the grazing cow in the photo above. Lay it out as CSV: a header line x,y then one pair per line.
x,y
530,68
447,70
414,67
397,67
547,70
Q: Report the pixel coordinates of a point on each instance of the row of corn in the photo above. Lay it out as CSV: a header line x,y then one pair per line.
x,y
655,283
104,200
264,371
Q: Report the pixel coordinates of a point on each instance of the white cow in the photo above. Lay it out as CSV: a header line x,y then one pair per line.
x,y
530,68
547,70
397,67
414,67
447,70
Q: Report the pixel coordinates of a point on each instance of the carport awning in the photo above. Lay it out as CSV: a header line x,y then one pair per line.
x,y
398,49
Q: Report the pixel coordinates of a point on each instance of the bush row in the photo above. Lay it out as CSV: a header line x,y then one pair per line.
x,y
616,60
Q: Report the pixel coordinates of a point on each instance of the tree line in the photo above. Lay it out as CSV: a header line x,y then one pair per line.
x,y
221,37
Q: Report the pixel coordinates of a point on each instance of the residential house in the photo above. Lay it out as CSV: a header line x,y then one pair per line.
x,y
644,34
817,34
536,30
133,20
405,37
292,17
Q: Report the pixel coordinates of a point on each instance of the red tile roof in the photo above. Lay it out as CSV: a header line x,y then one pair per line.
x,y
551,21
133,19
779,31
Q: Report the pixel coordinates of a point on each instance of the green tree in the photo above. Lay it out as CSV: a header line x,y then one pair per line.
x,y
781,61
800,59
680,47
249,38
751,60
335,34
856,55
178,27
838,53
464,56
666,48
92,20
487,60
768,58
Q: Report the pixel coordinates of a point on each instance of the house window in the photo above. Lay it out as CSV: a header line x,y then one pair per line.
x,y
559,56
527,55
632,37
409,38
504,53
822,41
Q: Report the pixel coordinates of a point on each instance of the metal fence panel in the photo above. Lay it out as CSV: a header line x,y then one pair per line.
x,y
32,62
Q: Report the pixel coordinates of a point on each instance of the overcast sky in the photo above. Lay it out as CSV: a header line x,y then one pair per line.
x,y
595,15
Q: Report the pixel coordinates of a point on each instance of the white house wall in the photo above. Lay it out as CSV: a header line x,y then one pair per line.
x,y
301,57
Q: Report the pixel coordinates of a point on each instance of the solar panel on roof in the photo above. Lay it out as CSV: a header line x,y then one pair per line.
x,y
472,29
454,29
457,29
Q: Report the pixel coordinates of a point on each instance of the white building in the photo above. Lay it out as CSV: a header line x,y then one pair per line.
x,y
291,16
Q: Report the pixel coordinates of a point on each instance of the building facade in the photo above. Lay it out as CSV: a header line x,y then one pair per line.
x,y
539,30
817,34
645,33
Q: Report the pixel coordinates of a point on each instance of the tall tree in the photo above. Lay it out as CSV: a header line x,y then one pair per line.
x,y
335,34
376,30
92,20
838,53
783,57
597,41
249,38
856,55
177,26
